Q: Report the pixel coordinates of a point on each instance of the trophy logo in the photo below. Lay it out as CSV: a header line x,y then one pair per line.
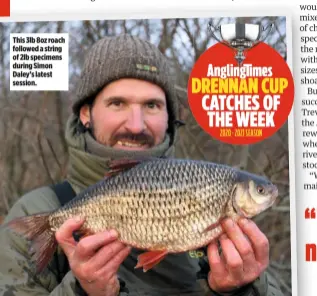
x,y
240,36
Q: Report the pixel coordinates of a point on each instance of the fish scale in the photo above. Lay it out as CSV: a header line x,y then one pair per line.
x,y
185,201
160,205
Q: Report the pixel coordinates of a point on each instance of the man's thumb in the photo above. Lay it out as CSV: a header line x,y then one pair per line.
x,y
64,235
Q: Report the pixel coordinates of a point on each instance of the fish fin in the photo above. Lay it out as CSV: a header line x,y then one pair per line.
x,y
149,259
36,228
117,166
212,226
81,233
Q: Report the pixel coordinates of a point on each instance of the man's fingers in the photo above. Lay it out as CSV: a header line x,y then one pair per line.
x,y
111,268
105,254
217,265
89,245
258,240
241,243
64,235
232,257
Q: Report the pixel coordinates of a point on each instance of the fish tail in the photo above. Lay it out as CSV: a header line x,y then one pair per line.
x,y
36,228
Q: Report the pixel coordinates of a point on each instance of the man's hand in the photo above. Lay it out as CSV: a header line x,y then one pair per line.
x,y
95,259
245,255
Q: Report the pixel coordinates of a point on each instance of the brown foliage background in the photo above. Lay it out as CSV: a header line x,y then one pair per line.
x,y
34,153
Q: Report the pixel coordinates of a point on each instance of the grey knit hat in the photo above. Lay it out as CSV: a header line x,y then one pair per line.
x,y
126,56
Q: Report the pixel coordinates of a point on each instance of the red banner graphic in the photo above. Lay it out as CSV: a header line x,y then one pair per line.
x,y
4,8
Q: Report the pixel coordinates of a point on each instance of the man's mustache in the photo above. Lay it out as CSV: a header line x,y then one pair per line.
x,y
141,138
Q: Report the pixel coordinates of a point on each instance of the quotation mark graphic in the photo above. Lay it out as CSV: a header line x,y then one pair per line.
x,y
310,213
314,174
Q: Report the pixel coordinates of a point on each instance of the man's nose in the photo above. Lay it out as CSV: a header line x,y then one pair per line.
x,y
135,120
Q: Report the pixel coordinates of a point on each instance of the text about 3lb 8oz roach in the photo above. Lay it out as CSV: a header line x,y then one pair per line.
x,y
39,61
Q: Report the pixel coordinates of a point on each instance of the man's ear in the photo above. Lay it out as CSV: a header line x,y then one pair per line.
x,y
84,114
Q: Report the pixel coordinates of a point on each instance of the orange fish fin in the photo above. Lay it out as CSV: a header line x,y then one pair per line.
x,y
149,259
36,228
81,233
117,166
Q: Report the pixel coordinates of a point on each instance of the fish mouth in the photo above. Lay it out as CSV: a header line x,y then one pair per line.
x,y
274,195
274,191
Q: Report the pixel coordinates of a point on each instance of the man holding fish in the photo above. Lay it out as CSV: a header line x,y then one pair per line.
x,y
120,136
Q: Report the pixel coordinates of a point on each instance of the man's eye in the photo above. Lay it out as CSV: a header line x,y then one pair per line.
x,y
115,103
152,105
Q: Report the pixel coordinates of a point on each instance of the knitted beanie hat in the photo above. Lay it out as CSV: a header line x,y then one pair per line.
x,y
126,56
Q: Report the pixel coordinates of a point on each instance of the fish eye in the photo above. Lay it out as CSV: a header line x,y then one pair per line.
x,y
260,190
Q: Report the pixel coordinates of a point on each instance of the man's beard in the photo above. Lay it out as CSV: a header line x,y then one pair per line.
x,y
141,138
